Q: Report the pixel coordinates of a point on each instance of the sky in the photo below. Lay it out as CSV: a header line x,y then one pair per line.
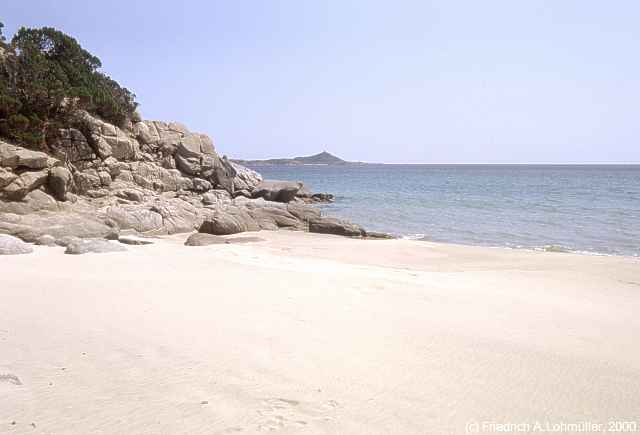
x,y
379,81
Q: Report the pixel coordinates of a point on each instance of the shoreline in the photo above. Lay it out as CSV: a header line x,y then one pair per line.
x,y
552,249
509,206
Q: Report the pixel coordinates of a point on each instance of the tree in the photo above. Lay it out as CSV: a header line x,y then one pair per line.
x,y
45,76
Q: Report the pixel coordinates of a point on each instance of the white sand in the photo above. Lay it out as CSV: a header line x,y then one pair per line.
x,y
315,334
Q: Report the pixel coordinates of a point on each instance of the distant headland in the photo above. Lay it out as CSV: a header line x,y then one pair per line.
x,y
323,158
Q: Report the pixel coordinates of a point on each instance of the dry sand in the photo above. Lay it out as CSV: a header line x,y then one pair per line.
x,y
315,334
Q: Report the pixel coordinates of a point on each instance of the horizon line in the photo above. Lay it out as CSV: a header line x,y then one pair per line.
x,y
356,162
507,163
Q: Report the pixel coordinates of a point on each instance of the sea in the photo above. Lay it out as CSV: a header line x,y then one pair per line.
x,y
565,208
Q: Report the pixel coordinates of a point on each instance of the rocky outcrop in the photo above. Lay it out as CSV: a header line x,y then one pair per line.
x,y
79,220
255,215
10,245
98,181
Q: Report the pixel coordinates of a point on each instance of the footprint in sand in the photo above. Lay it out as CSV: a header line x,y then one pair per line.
x,y
278,413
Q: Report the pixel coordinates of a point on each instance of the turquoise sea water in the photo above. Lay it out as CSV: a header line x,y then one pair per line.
x,y
590,208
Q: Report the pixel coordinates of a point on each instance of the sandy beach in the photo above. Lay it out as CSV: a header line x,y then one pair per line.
x,y
306,333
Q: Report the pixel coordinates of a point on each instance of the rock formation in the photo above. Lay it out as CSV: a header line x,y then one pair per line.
x,y
97,180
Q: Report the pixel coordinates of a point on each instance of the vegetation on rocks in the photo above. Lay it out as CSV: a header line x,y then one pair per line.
x,y
45,76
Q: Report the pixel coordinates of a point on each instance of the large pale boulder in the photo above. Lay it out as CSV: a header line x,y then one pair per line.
x,y
305,213
335,226
81,223
274,217
164,216
204,239
25,183
135,217
195,144
179,216
230,221
93,246
59,181
12,156
10,245
32,202
245,178
123,147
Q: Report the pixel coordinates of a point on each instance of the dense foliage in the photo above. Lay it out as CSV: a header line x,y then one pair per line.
x,y
45,75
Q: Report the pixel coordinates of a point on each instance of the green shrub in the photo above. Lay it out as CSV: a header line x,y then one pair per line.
x,y
44,75
18,122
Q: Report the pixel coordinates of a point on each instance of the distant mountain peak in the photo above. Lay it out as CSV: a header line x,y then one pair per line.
x,y
322,158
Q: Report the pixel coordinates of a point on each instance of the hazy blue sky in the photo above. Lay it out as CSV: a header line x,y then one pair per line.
x,y
442,81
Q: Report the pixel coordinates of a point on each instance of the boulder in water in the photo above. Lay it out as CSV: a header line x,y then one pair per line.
x,y
275,190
